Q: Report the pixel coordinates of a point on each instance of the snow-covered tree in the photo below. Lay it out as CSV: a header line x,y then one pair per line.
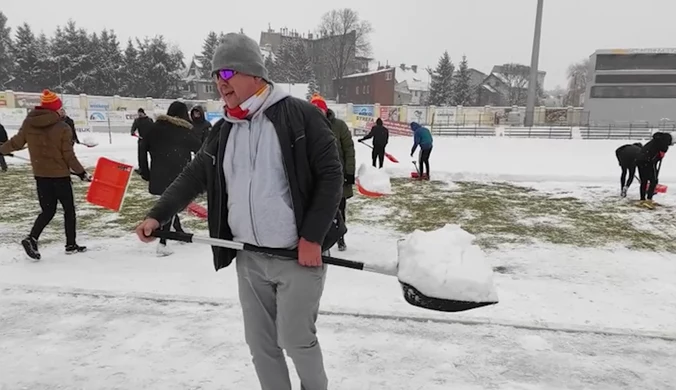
x,y
293,63
577,82
208,48
462,88
26,60
312,86
6,60
441,87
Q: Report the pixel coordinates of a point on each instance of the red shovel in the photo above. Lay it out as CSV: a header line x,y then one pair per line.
x,y
389,156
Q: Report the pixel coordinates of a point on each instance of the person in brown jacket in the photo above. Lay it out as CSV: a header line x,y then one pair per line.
x,y
50,146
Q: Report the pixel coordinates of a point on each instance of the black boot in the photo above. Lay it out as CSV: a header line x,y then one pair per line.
x,y
341,244
30,245
72,249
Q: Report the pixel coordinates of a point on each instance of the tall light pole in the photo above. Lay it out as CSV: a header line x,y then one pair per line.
x,y
535,57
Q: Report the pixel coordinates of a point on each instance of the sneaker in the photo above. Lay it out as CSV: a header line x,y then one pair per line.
x,y
623,192
72,249
341,245
30,245
163,250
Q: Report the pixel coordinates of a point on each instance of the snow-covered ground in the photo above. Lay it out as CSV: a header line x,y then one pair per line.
x,y
568,317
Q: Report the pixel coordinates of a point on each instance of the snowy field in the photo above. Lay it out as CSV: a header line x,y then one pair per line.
x,y
585,280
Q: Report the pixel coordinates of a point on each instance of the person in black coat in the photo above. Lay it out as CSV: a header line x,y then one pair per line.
x,y
651,153
170,143
140,129
381,136
69,121
626,157
201,125
3,139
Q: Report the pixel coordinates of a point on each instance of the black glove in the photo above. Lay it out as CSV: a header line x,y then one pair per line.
x,y
360,140
349,179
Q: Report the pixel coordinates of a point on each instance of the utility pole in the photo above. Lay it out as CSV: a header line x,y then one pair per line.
x,y
535,57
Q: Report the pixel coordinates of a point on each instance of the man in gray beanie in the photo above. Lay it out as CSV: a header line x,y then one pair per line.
x,y
273,179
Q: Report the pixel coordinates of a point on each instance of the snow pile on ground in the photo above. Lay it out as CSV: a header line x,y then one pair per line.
x,y
446,264
374,180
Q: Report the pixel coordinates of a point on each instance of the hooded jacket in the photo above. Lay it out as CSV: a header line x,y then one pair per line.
x,y
345,151
627,154
50,144
380,135
169,143
3,134
421,137
307,165
201,125
655,149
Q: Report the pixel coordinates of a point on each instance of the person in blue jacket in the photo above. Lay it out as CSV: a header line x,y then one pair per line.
x,y
422,137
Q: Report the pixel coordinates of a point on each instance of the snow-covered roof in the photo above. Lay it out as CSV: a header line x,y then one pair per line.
x,y
489,88
371,72
415,81
296,90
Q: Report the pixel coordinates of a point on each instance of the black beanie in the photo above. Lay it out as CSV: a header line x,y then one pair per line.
x,y
178,110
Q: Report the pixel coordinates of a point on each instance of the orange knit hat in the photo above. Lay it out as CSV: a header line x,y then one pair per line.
x,y
319,101
50,101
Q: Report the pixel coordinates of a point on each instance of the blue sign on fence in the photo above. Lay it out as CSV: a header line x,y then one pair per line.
x,y
211,116
363,110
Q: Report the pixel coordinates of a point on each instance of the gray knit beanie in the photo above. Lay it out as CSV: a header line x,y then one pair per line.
x,y
240,53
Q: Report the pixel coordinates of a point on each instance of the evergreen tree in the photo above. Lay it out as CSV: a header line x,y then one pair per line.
x,y
108,66
6,60
208,49
293,62
462,88
71,49
441,88
130,85
45,75
26,61
312,86
273,71
160,68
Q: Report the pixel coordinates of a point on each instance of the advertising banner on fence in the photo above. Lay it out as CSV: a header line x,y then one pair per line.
x,y
213,117
445,116
96,103
363,110
395,128
26,100
340,110
97,116
417,114
391,113
12,117
3,99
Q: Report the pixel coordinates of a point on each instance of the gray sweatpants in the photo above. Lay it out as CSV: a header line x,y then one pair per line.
x,y
280,303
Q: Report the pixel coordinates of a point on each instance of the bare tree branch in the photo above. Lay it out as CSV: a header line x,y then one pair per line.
x,y
347,36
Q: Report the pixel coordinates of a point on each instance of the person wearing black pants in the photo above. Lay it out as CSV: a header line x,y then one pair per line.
x,y
51,191
424,162
422,137
3,139
53,161
650,155
626,157
170,144
140,128
380,135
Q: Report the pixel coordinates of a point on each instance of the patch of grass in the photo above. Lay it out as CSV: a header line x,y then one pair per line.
x,y
500,213
19,207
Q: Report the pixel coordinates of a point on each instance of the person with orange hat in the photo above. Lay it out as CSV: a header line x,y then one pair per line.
x,y
53,159
346,153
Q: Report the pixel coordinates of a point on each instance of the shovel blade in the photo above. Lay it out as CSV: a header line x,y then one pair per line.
x,y
414,297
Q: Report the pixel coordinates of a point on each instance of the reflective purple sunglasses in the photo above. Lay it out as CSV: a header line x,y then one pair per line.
x,y
225,74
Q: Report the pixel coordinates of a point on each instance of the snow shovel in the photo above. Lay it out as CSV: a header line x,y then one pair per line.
x,y
416,174
411,294
389,156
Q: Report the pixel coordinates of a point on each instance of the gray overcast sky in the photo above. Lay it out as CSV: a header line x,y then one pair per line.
x,y
413,32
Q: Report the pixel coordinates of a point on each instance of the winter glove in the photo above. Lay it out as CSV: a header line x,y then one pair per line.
x,y
84,176
349,179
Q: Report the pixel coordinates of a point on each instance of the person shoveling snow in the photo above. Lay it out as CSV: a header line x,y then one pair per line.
x,y
445,264
373,182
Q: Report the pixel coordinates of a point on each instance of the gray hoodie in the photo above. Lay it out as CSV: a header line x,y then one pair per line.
x,y
260,209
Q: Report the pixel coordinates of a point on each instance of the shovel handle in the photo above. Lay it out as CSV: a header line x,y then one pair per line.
x,y
293,254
